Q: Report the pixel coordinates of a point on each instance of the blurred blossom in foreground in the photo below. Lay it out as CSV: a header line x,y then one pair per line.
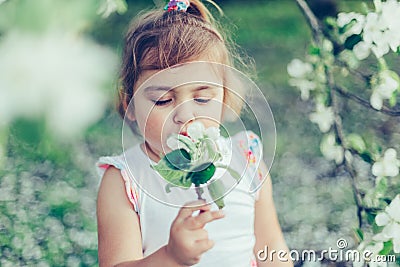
x,y
54,76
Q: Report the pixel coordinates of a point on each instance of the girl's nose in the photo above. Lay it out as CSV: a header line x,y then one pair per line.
x,y
183,112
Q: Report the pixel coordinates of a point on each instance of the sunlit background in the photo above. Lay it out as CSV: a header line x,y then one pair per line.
x,y
58,71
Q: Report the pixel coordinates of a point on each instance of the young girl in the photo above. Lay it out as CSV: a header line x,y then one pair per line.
x,y
139,224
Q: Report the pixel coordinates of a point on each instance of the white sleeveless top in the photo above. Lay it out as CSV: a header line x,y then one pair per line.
x,y
233,235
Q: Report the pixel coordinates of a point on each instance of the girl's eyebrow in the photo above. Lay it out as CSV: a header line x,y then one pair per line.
x,y
156,88
205,87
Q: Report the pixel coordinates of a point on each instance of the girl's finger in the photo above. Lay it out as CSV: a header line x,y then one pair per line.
x,y
190,207
199,221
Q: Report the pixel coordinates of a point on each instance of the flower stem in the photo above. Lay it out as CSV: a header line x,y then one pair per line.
x,y
199,192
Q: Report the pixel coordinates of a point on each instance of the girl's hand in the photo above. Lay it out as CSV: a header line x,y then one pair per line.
x,y
188,239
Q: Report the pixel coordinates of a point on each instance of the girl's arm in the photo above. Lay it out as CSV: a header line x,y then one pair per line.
x,y
120,237
267,230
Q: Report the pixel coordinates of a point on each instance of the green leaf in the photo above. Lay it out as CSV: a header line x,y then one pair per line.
x,y
393,100
234,174
352,40
178,159
185,185
174,177
185,141
217,190
382,186
366,156
202,173
371,216
331,22
359,234
231,171
356,142
314,50
387,248
167,173
210,148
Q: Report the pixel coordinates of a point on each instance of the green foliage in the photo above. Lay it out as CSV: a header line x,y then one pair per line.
x,y
202,174
352,41
178,159
387,248
359,234
216,190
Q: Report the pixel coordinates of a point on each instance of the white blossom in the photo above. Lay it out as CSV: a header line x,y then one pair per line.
x,y
299,69
390,17
380,30
176,141
362,50
323,116
373,248
387,85
356,20
373,34
173,142
388,165
212,132
224,147
55,76
331,150
390,219
391,213
201,143
301,73
196,130
305,87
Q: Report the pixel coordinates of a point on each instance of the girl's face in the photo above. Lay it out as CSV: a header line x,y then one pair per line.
x,y
166,102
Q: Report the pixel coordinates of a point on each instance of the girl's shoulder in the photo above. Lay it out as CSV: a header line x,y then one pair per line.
x,y
119,162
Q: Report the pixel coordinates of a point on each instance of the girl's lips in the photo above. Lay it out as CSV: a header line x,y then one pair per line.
x,y
184,133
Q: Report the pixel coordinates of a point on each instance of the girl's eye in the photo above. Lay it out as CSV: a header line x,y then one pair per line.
x,y
162,102
202,100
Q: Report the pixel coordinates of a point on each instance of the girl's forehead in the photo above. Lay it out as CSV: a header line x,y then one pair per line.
x,y
183,74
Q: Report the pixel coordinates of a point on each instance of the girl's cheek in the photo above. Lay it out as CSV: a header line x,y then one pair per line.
x,y
214,110
156,124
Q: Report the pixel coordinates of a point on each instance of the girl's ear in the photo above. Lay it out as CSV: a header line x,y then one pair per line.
x,y
130,116
129,109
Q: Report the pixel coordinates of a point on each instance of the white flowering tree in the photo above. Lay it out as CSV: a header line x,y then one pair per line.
x,y
350,77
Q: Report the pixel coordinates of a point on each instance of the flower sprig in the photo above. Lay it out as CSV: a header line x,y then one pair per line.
x,y
193,161
352,52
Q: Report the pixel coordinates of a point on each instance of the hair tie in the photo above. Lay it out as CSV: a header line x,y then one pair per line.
x,y
179,5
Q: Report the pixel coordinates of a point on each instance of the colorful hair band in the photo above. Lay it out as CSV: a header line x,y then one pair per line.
x,y
178,5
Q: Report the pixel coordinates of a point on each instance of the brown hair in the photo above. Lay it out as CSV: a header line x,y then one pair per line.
x,y
159,39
